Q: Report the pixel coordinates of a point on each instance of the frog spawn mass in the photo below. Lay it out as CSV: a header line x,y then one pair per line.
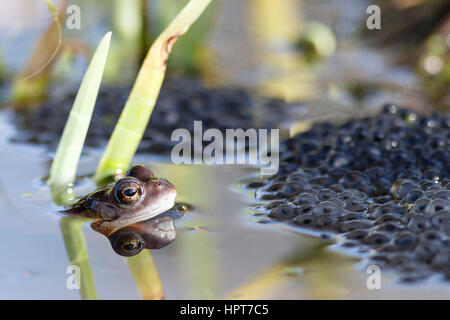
x,y
383,182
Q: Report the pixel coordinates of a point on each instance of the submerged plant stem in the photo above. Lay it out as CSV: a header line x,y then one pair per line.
x,y
145,274
72,230
139,106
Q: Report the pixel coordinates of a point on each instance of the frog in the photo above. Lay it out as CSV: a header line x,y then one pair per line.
x,y
127,211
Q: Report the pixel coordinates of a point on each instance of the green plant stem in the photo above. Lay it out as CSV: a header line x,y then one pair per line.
x,y
72,231
137,111
145,274
64,166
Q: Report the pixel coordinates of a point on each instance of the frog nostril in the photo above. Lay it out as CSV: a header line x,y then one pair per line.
x,y
164,183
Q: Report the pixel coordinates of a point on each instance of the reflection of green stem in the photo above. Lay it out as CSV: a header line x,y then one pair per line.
x,y
201,269
145,274
198,250
72,230
328,281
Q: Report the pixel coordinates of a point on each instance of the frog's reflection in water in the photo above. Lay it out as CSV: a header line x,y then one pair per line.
x,y
154,233
132,212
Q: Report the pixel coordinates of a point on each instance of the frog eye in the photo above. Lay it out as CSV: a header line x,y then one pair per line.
x,y
126,243
127,192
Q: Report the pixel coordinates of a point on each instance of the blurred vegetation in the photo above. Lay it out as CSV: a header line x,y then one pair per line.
x,y
192,56
129,44
31,84
419,32
317,41
292,47
2,68
434,68
276,26
408,23
139,106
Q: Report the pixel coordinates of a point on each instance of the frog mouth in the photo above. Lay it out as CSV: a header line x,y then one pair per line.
x,y
162,205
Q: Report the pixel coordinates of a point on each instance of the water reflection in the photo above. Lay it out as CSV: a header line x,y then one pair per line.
x,y
219,252
154,233
127,211
132,214
307,272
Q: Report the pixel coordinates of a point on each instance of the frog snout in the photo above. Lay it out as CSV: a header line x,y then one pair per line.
x,y
165,184
166,224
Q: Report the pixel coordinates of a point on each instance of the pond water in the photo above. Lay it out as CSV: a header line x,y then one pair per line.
x,y
221,250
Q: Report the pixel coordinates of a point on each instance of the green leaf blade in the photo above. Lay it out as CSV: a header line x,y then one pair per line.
x,y
64,166
133,121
